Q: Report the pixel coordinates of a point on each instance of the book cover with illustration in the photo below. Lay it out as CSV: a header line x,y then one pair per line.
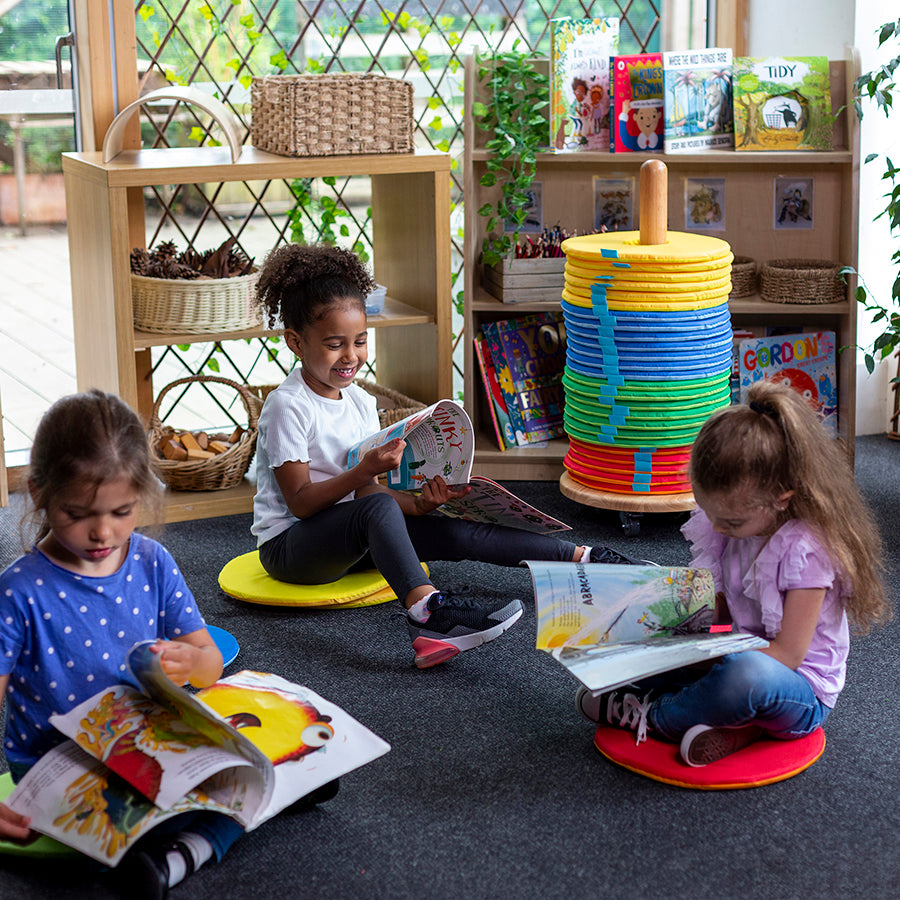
x,y
496,404
636,104
139,754
534,347
697,107
504,379
804,361
782,103
612,624
579,82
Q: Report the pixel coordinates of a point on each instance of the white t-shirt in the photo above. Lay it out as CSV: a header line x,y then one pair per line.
x,y
297,425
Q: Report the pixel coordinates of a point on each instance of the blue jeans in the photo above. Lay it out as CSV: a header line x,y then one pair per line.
x,y
737,689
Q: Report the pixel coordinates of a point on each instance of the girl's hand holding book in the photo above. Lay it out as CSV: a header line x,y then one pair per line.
x,y
14,827
437,492
384,458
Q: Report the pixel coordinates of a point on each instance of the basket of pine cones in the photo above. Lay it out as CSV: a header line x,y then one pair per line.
x,y
193,293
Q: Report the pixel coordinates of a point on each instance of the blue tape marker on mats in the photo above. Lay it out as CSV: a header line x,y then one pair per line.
x,y
641,488
608,253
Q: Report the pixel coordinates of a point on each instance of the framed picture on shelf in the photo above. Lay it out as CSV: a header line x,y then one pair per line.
x,y
704,204
613,204
534,215
793,204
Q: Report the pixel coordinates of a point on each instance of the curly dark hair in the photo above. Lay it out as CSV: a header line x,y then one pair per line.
x,y
298,281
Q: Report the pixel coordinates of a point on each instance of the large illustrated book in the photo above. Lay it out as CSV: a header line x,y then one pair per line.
x,y
440,441
496,404
504,379
612,624
138,754
579,82
782,103
697,108
534,347
804,361
636,105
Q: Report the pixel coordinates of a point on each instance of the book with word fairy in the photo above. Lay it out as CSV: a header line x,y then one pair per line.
x,y
440,441
636,103
804,361
782,103
534,349
612,624
697,107
579,82
142,752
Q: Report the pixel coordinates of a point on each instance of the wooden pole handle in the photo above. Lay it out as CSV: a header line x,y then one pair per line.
x,y
654,201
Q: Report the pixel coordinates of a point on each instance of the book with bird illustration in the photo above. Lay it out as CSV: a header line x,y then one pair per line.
x,y
612,624
139,753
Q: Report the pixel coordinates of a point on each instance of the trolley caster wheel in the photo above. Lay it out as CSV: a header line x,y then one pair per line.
x,y
631,523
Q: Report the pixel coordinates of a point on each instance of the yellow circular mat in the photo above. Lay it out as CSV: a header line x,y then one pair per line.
x,y
680,249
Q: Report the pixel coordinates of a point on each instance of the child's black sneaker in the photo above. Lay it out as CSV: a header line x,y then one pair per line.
x,y
704,744
622,708
456,624
609,556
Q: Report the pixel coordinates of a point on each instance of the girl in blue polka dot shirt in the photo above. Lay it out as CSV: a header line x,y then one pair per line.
x,y
83,595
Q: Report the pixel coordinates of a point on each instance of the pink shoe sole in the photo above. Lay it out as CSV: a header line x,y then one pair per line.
x,y
430,652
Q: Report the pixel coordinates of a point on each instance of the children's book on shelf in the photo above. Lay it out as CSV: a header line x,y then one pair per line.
x,y
440,440
496,404
504,379
636,103
612,624
782,103
697,107
534,348
804,361
579,82
138,754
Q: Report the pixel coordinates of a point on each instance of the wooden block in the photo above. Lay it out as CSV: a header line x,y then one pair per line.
x,y
236,435
202,439
189,441
199,454
218,446
174,450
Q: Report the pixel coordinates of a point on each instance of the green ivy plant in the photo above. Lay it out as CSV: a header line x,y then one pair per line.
x,y
879,87
514,119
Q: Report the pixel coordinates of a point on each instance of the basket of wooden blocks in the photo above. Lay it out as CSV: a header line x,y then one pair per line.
x,y
196,460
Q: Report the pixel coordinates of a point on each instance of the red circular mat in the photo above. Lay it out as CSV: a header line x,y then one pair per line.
x,y
763,762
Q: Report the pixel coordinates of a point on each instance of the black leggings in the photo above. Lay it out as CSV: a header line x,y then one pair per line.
x,y
372,531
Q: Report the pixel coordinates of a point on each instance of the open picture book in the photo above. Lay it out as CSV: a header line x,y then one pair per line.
x,y
610,625
440,440
248,746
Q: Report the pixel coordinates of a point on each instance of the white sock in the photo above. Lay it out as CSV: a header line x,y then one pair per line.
x,y
586,556
419,612
199,848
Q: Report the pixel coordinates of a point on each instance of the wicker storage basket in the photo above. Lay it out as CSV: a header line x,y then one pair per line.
x,y
801,281
222,471
200,306
743,276
331,115
392,405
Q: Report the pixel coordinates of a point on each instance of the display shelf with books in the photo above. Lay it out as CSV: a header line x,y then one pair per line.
x,y
748,187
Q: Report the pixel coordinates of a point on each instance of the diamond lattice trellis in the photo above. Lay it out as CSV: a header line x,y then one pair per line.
x,y
222,44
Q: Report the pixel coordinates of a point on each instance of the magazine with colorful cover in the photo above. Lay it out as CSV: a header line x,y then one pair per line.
x,y
610,625
440,441
579,82
636,105
534,347
138,754
496,404
697,108
804,361
782,103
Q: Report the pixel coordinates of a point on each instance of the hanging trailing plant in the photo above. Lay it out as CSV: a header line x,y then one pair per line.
x,y
516,95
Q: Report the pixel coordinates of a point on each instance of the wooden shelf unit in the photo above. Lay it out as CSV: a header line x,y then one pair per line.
x,y
567,199
410,198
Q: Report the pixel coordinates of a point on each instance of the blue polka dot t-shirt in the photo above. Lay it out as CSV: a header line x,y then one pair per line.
x,y
63,636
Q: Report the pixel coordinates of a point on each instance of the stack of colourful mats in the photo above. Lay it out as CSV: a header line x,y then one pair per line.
x,y
648,359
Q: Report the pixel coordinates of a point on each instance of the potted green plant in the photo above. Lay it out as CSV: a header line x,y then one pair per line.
x,y
878,86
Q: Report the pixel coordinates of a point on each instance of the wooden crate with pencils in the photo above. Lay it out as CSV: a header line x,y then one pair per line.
x,y
526,280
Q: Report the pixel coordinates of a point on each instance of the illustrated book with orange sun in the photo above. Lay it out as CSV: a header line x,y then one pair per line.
x,y
248,746
612,624
440,440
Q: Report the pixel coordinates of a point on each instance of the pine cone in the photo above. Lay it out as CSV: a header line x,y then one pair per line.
x,y
140,261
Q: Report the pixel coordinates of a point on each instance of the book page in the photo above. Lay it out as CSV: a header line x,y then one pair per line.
x,y
439,441
490,502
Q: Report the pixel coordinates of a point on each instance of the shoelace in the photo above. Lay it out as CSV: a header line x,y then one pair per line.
x,y
454,599
629,712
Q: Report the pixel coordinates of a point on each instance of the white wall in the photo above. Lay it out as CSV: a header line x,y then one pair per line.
x,y
826,27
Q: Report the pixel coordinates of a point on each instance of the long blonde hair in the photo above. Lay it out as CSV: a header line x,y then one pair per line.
x,y
775,443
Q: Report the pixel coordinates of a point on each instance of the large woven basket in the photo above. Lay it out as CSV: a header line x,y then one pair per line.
x,y
743,276
392,405
222,471
200,306
331,115
801,281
